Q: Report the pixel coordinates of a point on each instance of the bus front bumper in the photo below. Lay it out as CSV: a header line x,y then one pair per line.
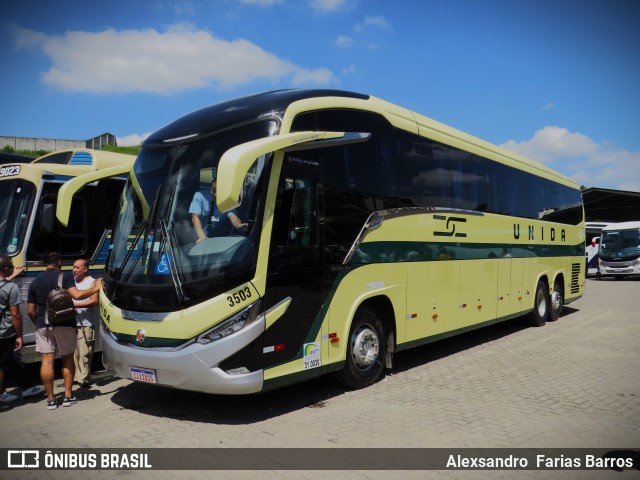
x,y
194,367
633,268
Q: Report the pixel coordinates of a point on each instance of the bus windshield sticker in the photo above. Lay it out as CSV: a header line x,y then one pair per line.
x,y
311,355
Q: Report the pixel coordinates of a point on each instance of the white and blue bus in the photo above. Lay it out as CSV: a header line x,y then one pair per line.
x,y
620,250
592,246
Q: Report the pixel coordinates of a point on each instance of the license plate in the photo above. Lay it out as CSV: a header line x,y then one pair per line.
x,y
143,375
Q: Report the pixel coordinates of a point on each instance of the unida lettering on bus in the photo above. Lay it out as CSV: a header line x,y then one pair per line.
x,y
552,234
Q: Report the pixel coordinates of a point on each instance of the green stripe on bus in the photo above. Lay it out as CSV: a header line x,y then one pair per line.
x,y
394,252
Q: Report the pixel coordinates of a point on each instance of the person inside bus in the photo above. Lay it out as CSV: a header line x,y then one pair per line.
x,y
207,220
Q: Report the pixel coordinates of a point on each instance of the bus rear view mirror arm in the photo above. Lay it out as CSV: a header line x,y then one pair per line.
x,y
69,189
236,162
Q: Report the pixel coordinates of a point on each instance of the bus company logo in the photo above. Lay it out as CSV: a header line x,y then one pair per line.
x,y
450,226
140,336
23,459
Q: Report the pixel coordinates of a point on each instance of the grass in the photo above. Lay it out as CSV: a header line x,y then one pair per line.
x,y
38,153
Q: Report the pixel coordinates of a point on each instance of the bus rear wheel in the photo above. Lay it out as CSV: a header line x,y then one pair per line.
x,y
366,351
538,317
557,298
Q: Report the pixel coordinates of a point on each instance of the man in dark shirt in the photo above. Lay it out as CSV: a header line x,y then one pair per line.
x,y
59,338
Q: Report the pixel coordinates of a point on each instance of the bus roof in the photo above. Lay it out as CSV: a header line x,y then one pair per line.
x,y
596,225
84,157
621,226
63,164
211,119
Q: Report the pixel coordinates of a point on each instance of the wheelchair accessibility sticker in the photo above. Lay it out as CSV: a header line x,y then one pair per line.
x,y
163,267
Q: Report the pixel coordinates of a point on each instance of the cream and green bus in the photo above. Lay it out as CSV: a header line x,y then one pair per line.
x,y
365,229
28,227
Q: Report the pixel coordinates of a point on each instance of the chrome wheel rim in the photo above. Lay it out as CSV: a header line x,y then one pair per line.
x,y
556,301
365,347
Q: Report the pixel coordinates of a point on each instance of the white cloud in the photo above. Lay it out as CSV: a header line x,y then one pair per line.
x,y
551,142
180,58
579,157
377,21
327,5
132,140
348,70
548,106
344,42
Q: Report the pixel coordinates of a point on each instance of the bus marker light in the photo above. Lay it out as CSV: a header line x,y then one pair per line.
x,y
435,316
479,307
334,340
273,348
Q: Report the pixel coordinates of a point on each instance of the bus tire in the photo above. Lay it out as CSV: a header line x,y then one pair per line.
x,y
556,301
366,350
538,317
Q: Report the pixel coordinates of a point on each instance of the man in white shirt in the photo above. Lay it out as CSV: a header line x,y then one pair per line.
x,y
86,318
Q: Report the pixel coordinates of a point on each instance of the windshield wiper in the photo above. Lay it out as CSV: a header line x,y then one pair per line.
x,y
173,268
146,244
118,272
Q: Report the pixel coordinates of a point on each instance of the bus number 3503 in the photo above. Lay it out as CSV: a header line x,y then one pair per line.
x,y
239,297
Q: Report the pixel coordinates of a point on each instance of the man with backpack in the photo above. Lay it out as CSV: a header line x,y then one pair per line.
x,y
11,335
59,337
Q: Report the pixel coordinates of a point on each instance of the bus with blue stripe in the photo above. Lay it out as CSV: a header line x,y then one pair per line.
x,y
365,229
29,229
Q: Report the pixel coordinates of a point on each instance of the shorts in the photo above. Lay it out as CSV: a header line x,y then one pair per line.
x,y
6,352
61,340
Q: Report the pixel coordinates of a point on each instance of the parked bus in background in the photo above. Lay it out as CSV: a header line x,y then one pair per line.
x,y
29,229
592,245
368,229
620,250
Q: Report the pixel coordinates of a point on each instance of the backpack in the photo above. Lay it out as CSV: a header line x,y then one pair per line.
x,y
60,306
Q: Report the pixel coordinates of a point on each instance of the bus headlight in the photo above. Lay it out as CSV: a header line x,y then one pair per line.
x,y
236,323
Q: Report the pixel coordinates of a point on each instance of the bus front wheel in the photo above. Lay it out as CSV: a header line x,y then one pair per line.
x,y
366,351
538,317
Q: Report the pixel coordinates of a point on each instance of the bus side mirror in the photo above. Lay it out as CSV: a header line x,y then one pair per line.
x,y
47,218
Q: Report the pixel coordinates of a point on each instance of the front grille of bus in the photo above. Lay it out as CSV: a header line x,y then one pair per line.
x,y
575,278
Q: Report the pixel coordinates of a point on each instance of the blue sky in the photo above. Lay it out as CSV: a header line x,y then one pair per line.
x,y
555,80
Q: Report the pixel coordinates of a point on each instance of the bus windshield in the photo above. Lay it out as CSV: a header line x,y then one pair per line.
x,y
620,244
16,200
172,246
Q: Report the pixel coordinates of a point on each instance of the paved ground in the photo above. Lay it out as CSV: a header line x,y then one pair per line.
x,y
572,383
